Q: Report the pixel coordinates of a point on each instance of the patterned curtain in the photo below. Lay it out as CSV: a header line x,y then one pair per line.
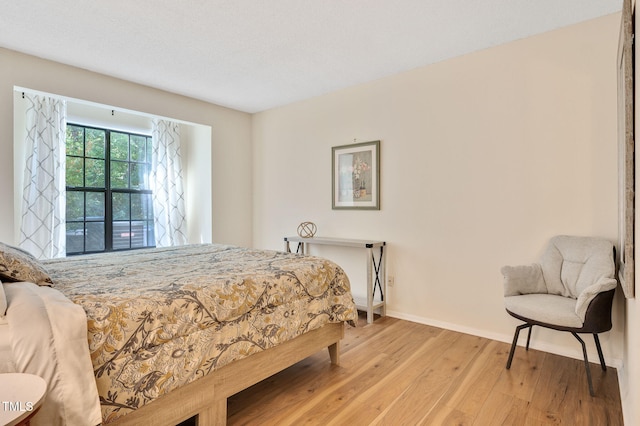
x,y
42,231
166,178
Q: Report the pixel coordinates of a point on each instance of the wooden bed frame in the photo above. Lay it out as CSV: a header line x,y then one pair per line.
x,y
207,396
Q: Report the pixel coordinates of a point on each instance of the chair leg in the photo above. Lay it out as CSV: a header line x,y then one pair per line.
x,y
597,340
515,342
529,336
586,363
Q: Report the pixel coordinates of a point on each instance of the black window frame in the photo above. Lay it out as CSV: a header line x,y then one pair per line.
x,y
108,190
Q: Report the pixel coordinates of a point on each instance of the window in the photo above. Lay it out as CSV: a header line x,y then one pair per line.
x,y
109,200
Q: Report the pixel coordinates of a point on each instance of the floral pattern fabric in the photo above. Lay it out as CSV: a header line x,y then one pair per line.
x,y
18,265
161,318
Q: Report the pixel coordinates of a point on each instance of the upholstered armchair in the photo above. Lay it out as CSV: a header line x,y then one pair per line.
x,y
570,289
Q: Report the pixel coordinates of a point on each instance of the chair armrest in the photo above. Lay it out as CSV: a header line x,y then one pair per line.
x,y
523,279
587,295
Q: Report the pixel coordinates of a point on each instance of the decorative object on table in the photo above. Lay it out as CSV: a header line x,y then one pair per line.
x,y
307,229
356,176
626,152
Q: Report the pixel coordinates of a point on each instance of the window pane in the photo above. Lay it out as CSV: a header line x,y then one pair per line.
x,y
95,173
139,176
140,206
150,233
119,174
121,235
74,171
95,236
148,206
137,211
95,142
75,205
119,146
147,176
75,237
95,206
138,237
136,176
75,140
120,206
138,145
149,150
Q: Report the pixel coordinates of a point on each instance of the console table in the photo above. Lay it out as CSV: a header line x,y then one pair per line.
x,y
376,268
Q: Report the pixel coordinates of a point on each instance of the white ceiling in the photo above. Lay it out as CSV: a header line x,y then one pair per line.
x,y
253,55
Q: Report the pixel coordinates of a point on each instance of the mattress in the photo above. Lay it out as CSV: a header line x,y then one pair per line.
x,y
161,318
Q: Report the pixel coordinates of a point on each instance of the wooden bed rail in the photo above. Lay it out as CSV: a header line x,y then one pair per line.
x,y
207,396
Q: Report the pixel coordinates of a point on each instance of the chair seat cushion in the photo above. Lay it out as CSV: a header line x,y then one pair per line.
x,y
547,308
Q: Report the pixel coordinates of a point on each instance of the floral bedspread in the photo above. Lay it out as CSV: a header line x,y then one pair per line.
x,y
161,318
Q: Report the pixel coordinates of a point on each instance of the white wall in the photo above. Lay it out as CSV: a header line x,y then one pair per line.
x,y
197,175
227,201
484,158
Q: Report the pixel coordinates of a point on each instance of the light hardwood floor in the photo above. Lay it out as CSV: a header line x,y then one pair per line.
x,y
395,372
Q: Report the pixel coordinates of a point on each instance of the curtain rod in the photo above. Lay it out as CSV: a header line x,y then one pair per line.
x,y
25,90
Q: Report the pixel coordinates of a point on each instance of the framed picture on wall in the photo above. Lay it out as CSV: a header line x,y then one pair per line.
x,y
626,152
355,176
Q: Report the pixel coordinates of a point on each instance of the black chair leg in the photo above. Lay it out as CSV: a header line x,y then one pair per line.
x,y
586,362
597,340
515,342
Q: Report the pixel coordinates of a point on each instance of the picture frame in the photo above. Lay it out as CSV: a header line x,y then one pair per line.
x,y
626,153
355,176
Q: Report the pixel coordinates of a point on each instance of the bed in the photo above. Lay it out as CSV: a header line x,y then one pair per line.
x,y
172,332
